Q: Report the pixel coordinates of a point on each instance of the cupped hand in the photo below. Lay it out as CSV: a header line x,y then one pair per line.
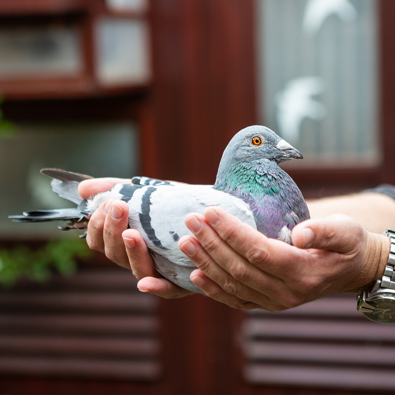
x,y
239,266
108,233
244,269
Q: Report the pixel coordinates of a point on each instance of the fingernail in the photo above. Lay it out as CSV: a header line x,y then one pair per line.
x,y
194,224
116,211
211,216
187,247
130,243
308,237
198,279
141,289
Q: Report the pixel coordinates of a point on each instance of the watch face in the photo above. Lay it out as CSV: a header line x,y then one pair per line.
x,y
380,310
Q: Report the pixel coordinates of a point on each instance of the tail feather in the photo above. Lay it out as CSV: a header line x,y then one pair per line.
x,y
64,175
65,184
48,215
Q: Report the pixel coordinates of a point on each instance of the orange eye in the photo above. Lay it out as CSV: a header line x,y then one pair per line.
x,y
256,140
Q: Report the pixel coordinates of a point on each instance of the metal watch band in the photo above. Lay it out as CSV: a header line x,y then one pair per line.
x,y
378,303
388,279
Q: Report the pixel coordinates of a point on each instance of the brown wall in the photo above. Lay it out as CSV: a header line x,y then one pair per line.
x,y
203,91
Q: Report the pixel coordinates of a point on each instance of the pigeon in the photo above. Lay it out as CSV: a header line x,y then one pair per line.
x,y
249,184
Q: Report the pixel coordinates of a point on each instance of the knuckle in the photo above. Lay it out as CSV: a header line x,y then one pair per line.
x,y
238,271
257,255
108,231
329,233
95,225
93,244
97,218
249,306
310,285
229,286
235,304
240,304
246,305
211,245
328,237
230,234
214,293
204,264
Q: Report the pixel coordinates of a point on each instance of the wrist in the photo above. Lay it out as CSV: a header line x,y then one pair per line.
x,y
378,250
383,260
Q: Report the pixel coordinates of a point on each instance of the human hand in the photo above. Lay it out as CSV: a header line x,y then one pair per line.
x,y
244,269
108,233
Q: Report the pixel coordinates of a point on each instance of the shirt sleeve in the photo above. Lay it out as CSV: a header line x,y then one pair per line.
x,y
385,189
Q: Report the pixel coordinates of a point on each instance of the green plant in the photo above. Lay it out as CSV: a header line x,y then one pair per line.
x,y
39,264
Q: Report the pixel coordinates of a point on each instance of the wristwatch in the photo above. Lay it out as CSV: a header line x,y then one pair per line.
x,y
378,302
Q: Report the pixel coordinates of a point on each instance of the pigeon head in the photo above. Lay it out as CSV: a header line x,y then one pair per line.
x,y
257,143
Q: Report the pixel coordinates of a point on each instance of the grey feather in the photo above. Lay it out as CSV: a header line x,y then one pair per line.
x,y
47,215
67,190
175,273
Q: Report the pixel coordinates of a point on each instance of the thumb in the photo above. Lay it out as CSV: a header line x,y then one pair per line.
x,y
92,187
338,233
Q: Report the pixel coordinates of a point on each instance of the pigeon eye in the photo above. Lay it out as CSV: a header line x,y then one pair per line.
x,y
256,140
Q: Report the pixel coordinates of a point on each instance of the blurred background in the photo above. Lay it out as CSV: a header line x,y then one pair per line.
x,y
158,88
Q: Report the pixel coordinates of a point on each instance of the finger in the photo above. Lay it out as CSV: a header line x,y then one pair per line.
x,y
223,286
219,260
143,268
161,287
94,237
338,233
115,223
268,255
88,188
140,259
213,290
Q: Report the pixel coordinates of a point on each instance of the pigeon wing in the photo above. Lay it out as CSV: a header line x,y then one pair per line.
x,y
158,213
65,183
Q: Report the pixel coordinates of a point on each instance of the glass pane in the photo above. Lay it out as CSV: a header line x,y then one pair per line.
x,y
127,5
99,150
39,51
317,73
123,49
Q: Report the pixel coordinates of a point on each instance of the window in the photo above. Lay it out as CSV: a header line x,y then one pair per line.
x,y
97,149
318,78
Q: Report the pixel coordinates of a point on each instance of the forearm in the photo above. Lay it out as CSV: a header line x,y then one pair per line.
x,y
375,211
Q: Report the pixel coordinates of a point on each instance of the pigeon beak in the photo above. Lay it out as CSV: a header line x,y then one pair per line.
x,y
289,151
